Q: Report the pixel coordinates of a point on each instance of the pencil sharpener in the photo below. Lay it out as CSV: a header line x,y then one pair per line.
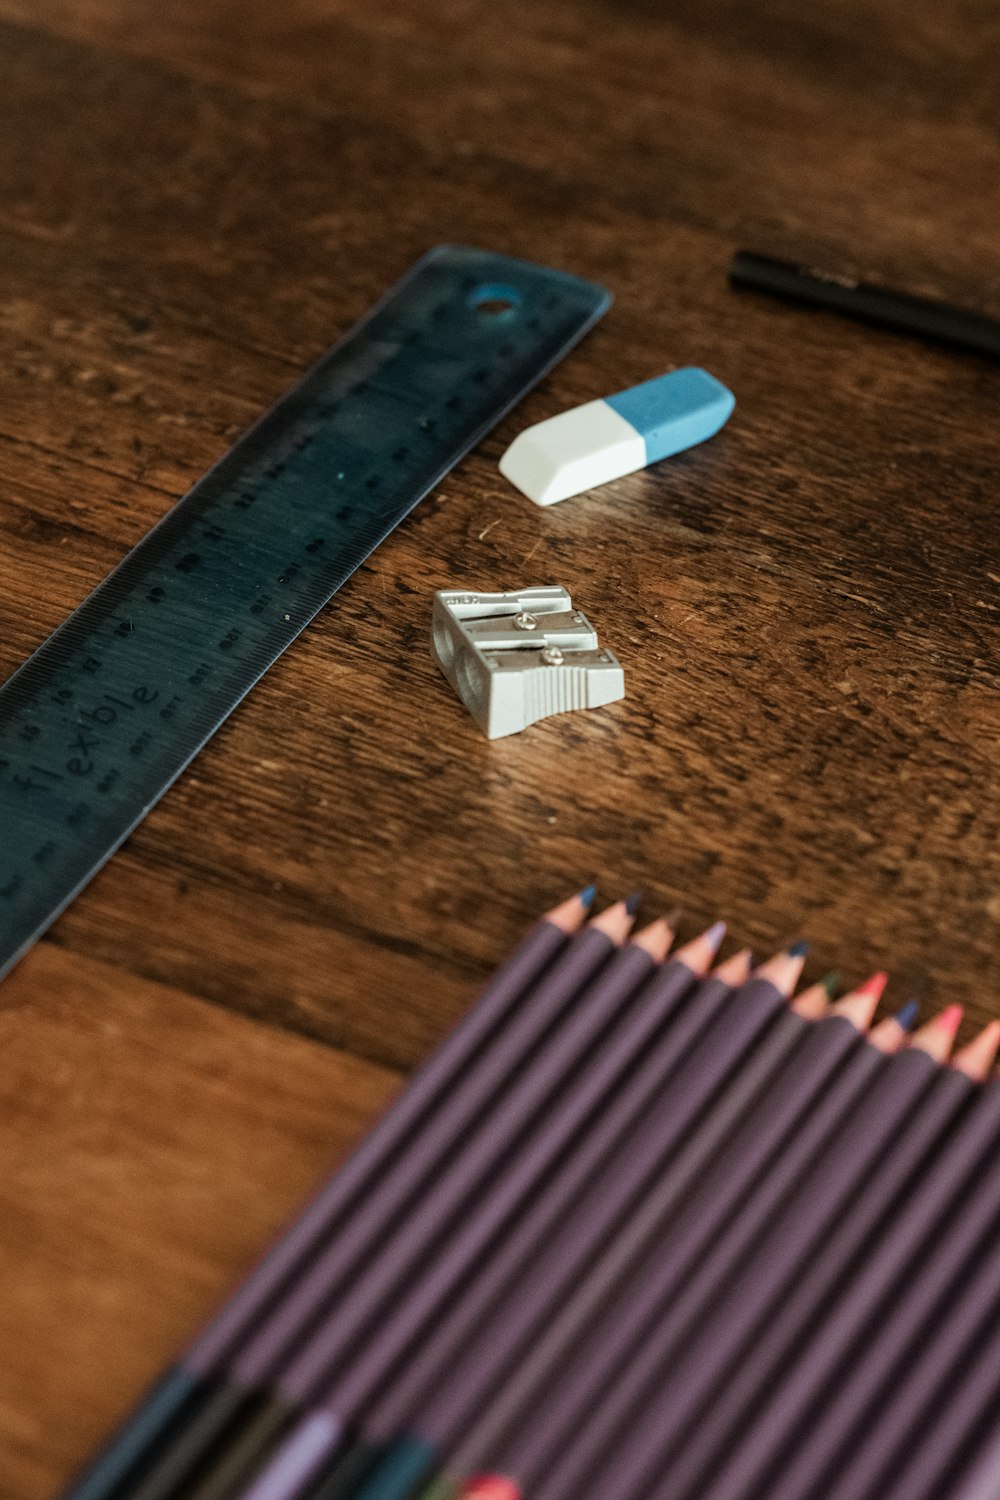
x,y
518,657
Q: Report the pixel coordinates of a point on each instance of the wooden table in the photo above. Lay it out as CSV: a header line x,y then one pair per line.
x,y
196,199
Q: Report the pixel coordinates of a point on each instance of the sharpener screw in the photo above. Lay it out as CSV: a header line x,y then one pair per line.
x,y
552,656
524,621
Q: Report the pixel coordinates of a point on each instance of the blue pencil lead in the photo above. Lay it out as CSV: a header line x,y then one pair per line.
x,y
907,1016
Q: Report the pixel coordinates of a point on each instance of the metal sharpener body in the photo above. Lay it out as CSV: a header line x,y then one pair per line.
x,y
517,657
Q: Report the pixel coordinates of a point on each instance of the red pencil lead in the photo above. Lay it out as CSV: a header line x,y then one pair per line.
x,y
491,1487
937,1037
859,1006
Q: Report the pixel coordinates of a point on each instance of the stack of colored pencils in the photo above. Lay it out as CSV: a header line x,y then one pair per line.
x,y
647,1226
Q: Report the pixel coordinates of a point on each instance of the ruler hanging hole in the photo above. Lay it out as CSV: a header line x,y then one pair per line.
x,y
494,300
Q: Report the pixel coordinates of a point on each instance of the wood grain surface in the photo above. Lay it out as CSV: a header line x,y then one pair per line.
x,y
195,200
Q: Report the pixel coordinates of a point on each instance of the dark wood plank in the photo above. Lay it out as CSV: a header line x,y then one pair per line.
x,y
194,201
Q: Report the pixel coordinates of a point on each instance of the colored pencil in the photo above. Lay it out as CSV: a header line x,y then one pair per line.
x,y
719,1455
492,1173
484,1364
565,1370
194,1377
940,1389
640,1229
459,1110
956,1196
977,1475
655,1007
928,317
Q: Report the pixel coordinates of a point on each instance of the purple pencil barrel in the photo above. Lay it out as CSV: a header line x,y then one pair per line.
x,y
946,1215
496,1170
968,1418
672,1380
977,1474
510,1194
488,1358
406,1115
660,1034
927,1404
520,1427
715,1442
466,1111
398,1404
667,1236
178,1401
351,1292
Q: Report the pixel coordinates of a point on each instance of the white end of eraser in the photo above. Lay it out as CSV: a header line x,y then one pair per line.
x,y
577,450
604,440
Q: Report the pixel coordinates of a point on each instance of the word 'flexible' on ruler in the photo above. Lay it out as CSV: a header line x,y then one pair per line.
x,y
106,714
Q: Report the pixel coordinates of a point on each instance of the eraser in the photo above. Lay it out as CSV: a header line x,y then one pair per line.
x,y
602,440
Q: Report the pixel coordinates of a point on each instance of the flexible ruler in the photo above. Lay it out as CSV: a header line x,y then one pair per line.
x,y
96,725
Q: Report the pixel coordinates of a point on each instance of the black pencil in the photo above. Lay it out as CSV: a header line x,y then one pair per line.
x,y
927,317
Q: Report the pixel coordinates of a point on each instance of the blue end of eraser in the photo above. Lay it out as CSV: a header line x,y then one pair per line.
x,y
675,411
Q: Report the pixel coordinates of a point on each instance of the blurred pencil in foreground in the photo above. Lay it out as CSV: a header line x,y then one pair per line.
x,y
651,1223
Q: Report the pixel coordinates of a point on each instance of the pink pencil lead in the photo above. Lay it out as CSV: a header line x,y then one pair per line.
x,y
977,1058
937,1037
874,985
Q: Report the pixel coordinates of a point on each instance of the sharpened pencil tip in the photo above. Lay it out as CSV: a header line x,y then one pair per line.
x,y
811,1003
977,1058
655,939
936,1037
783,971
874,985
831,983
950,1019
588,896
632,902
798,950
714,936
907,1016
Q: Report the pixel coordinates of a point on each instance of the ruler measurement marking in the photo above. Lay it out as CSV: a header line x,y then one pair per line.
x,y
116,703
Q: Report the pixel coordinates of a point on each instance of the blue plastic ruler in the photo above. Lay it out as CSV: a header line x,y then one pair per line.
x,y
96,725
